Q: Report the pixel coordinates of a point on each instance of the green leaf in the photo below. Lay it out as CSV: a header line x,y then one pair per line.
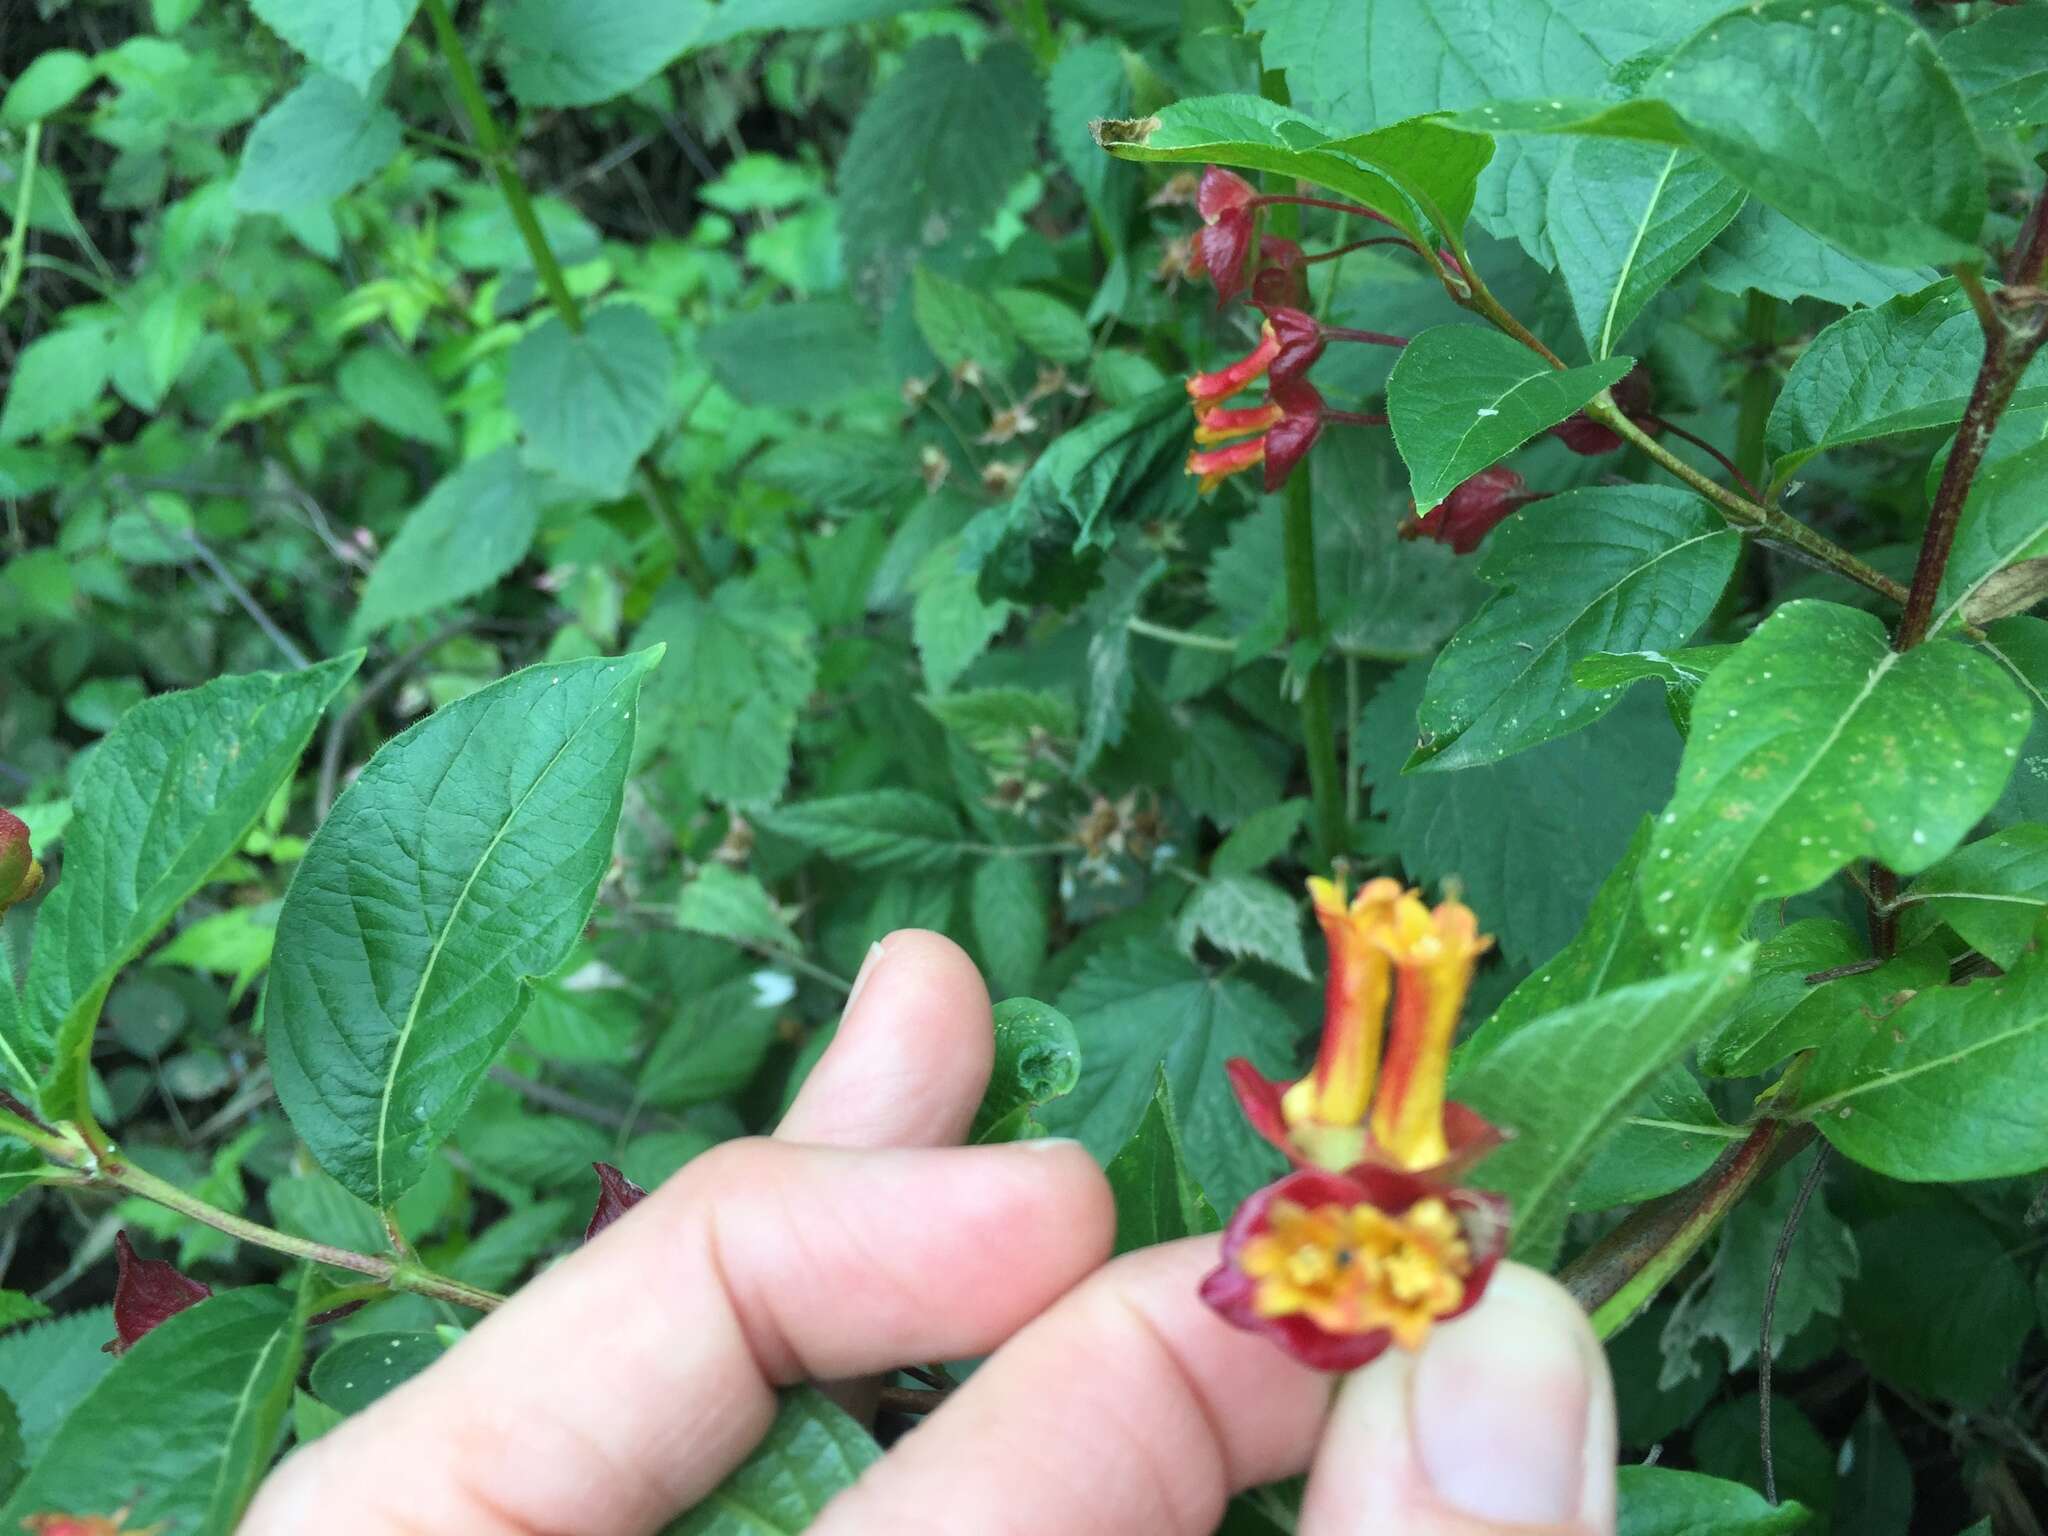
x,y
1259,839
2020,645
1624,219
186,1423
1952,1085
2004,523
889,829
52,81
1157,1200
1246,917
355,1372
1407,172
1532,838
592,402
1558,1082
1007,904
1668,1138
1876,1493
474,527
45,1369
1658,1501
2000,64
351,42
17,1307
322,140
1906,365
171,792
1764,250
1462,398
744,666
576,53
961,325
950,623
1951,1329
1038,1060
1221,773
1141,1007
1815,744
755,354
1089,80
1991,892
461,863
998,723
55,380
1782,1012
1046,327
728,903
394,391
1681,673
812,1452
932,156
1615,568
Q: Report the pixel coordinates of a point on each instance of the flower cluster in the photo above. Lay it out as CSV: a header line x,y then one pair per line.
x,y
20,874
1370,1241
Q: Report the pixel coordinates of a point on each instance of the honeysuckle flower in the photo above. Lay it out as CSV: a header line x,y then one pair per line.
x,y
20,875
146,1292
1215,465
1287,426
1473,510
616,1195
1218,386
1369,1242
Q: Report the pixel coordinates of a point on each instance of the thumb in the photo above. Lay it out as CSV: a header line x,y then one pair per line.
x,y
1503,1422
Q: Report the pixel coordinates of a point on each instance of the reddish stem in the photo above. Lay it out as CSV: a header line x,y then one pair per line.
x,y
1375,338
1659,424
1358,245
1355,418
1321,202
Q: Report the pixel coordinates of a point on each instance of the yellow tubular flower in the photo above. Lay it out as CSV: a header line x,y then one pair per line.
x,y
1326,1111
1433,955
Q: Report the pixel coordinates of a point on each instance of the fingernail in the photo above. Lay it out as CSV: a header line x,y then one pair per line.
x,y
867,969
1502,1403
1045,1143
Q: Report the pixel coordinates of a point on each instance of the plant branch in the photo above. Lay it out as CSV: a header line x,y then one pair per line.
x,y
1748,487
24,205
1793,1217
1619,1275
1753,409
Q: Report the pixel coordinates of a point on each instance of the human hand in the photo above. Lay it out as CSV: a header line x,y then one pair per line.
x,y
621,1386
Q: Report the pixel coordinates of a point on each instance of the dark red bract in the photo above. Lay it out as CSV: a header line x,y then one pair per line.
x,y
616,1195
1291,437
146,1292
1473,510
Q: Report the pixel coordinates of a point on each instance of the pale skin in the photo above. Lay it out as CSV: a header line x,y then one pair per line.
x,y
622,1385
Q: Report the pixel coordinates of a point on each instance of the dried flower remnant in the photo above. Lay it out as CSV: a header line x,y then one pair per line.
x,y
146,1292
1370,1242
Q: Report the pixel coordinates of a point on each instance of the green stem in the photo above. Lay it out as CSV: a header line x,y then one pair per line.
x,y
24,204
1318,732
1622,1273
1182,637
1753,411
491,146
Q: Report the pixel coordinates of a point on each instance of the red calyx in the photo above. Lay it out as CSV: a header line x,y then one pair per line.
x,y
616,1195
1220,192
1289,439
1282,278
1300,336
1635,395
1473,510
147,1292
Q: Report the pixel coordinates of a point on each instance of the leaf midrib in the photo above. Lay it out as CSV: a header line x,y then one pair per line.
x,y
1634,248
441,941
1814,1109
1496,405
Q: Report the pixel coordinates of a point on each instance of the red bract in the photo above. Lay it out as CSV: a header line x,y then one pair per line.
x,y
1634,395
1289,439
1220,192
1300,336
146,1292
616,1195
1282,278
1336,1267
20,874
1220,250
1473,510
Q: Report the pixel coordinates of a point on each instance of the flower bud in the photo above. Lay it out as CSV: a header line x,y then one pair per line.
x,y
20,874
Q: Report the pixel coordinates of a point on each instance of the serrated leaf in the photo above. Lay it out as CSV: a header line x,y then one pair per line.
x,y
1220,772
812,1452
48,1367
473,527
2004,525
351,42
1681,673
1157,1200
999,723
932,155
1764,250
55,379
2000,64
1007,903
751,354
1558,1082
728,903
576,53
1908,364
1992,892
1037,1060
1952,1330
742,667
1624,219
462,862
397,393
171,791
1088,81
186,1423
1248,918
1610,568
960,324
1462,398
592,402
1814,744
1951,1086
1141,1007
892,829
1658,1501
950,623
322,140
1259,839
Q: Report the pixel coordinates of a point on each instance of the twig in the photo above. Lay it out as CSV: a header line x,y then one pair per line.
x,y
1667,425
1793,1217
24,204
242,596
